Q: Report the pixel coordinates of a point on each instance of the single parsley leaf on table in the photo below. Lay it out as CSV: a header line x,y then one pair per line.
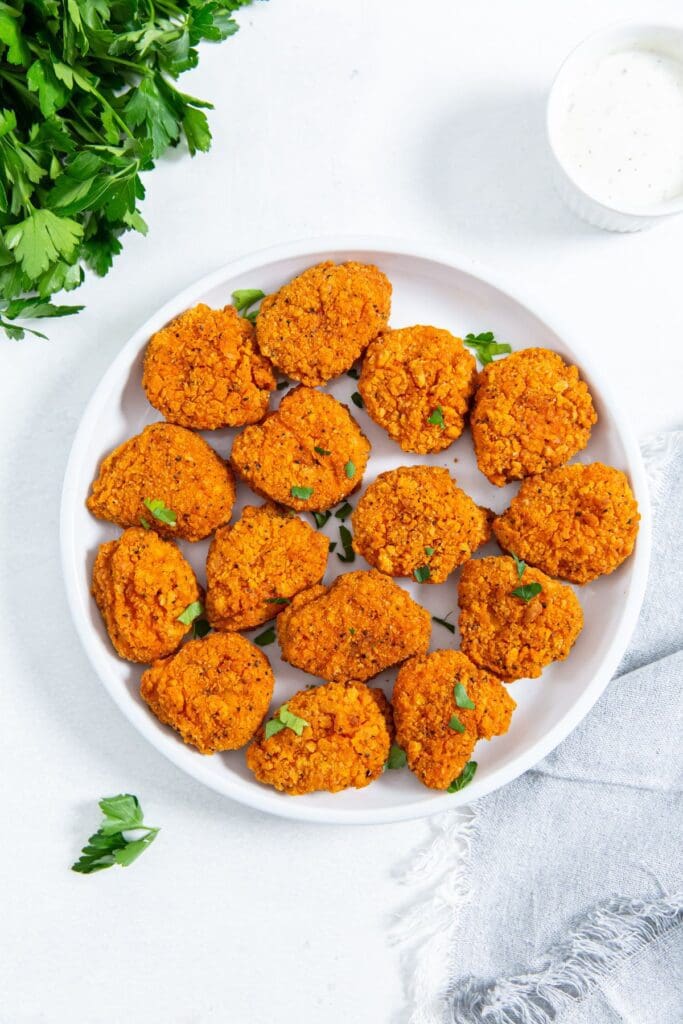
x,y
113,843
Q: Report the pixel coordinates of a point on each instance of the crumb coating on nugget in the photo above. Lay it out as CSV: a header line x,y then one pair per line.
x,y
141,584
505,634
577,522
203,370
280,454
346,742
357,627
424,704
215,692
318,325
411,511
170,464
531,412
407,374
266,555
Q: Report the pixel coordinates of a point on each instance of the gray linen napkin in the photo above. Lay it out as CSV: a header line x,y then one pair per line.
x,y
559,898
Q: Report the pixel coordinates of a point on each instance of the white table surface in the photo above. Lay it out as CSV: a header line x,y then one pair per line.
x,y
422,120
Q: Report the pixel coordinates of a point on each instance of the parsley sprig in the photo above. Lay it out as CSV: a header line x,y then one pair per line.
x,y
121,837
88,103
485,346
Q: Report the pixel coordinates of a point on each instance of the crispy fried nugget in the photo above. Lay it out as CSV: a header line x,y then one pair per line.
x,y
436,744
353,629
345,742
316,326
415,374
531,412
203,370
266,557
308,455
215,692
141,584
576,522
506,634
169,464
416,516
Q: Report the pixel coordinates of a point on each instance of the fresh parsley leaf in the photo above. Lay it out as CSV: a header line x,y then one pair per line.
x,y
278,600
455,724
486,346
192,612
332,546
444,622
350,470
273,727
397,757
422,573
112,843
344,512
285,719
461,698
357,400
353,373
321,451
464,778
160,511
527,591
429,552
303,493
347,543
436,418
200,629
244,298
265,638
321,518
519,565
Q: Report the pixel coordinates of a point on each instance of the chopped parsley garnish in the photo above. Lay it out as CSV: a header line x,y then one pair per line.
x,y
144,523
429,552
444,622
422,573
109,845
200,629
486,346
519,565
321,518
352,631
332,546
192,612
464,778
397,757
282,384
455,724
303,493
161,511
357,400
461,698
350,470
285,719
265,638
321,451
278,600
436,418
347,543
527,591
244,298
344,512
353,373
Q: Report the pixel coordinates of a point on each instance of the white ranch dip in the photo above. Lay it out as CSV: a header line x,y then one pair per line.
x,y
620,134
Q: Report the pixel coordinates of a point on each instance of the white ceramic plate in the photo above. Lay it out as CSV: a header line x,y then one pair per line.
x,y
428,288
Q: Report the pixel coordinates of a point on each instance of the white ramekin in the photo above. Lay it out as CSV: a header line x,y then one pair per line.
x,y
665,39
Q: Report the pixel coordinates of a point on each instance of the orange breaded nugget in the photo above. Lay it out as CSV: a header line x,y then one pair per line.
x,y
416,516
504,633
531,412
203,370
215,692
353,629
412,375
267,556
308,455
345,742
316,326
437,735
576,522
169,464
141,584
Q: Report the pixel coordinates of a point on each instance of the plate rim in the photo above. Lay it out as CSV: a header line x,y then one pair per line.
x,y
317,248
